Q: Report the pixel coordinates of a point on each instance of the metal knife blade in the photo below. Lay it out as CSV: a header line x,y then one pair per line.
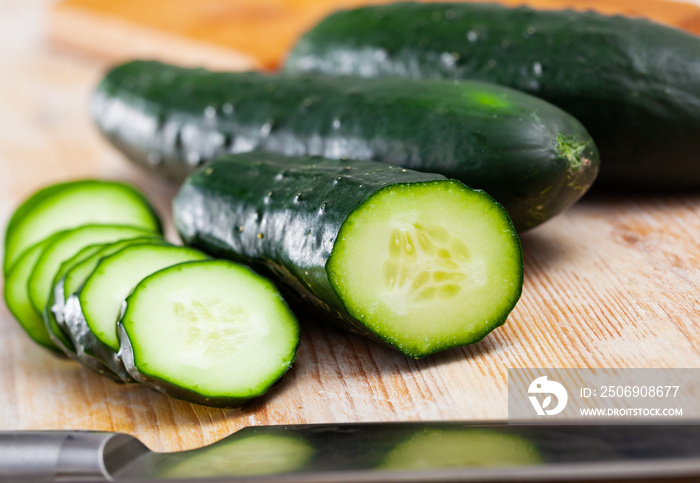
x,y
364,452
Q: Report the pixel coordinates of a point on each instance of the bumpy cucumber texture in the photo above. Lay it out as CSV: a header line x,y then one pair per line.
x,y
633,83
532,157
411,259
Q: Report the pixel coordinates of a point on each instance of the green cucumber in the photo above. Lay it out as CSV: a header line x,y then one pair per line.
x,y
532,157
66,284
411,259
71,204
56,302
92,313
64,247
17,296
209,332
633,83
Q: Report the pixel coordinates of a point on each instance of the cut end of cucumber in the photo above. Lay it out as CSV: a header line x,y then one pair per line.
x,y
428,266
214,330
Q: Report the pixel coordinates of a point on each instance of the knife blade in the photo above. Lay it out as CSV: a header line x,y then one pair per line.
x,y
364,452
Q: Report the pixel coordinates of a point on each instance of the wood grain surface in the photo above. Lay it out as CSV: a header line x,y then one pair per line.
x,y
613,282
247,34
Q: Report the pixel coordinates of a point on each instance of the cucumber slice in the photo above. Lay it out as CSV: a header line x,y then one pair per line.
x,y
63,248
68,205
211,332
17,296
59,337
70,278
77,274
91,315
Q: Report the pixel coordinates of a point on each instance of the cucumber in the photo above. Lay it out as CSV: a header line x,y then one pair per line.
x,y
71,204
63,248
210,332
633,83
411,259
17,296
532,157
56,302
92,313
66,284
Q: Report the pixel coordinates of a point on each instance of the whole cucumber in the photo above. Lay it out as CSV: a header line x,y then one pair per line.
x,y
633,83
411,259
532,157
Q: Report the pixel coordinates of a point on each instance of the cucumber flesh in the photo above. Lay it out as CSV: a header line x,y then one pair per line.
x,y
17,296
72,204
211,332
70,278
63,248
77,274
102,296
427,266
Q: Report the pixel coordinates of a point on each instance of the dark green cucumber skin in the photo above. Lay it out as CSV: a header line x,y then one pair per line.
x,y
633,83
173,120
282,216
76,351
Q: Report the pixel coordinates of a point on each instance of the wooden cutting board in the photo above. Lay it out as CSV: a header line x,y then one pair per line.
x,y
613,282
248,34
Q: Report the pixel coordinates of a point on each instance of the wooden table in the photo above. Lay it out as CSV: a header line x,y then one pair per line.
x,y
613,282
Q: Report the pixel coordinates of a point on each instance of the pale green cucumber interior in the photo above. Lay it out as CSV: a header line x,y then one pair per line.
x,y
462,448
215,328
65,247
75,270
74,204
76,259
427,266
17,296
103,294
78,272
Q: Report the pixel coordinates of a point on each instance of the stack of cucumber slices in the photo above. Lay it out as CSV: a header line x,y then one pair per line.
x,y
89,275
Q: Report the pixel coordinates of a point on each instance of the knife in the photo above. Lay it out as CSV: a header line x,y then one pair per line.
x,y
363,453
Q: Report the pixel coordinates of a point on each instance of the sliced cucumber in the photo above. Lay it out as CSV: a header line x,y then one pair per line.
x,y
68,205
211,332
77,274
70,278
17,296
56,304
408,258
63,248
91,315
